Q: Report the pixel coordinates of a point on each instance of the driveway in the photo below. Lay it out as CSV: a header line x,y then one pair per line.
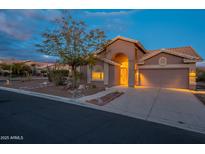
x,y
179,108
39,120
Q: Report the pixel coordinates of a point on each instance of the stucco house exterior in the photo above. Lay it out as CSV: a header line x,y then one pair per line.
x,y
126,62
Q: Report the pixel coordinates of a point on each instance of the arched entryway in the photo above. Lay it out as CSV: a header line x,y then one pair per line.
x,y
123,60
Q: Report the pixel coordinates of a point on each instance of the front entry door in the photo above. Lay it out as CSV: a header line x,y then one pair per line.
x,y
123,76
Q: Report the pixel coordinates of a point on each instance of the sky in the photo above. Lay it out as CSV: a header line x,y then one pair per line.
x,y
20,30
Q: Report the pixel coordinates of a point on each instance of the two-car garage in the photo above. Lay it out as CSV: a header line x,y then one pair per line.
x,y
167,78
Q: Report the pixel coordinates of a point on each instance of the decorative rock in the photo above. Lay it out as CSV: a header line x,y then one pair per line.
x,y
99,101
82,86
45,83
7,82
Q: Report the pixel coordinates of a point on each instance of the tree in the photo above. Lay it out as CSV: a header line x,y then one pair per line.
x,y
33,69
16,68
21,69
5,69
5,66
73,42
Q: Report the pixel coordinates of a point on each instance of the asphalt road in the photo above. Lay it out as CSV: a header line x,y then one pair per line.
x,y
27,119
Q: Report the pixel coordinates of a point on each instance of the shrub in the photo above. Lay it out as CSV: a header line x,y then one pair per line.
x,y
1,72
93,86
79,76
43,73
57,76
201,76
20,69
6,73
5,66
25,69
34,69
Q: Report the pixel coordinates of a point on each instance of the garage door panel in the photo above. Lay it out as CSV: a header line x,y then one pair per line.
x,y
171,78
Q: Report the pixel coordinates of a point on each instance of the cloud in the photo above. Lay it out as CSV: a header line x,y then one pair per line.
x,y
22,24
21,29
24,54
12,27
49,15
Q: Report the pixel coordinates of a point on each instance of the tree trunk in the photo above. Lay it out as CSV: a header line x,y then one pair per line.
x,y
74,84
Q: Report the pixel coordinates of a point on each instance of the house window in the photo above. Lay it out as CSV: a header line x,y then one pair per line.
x,y
98,73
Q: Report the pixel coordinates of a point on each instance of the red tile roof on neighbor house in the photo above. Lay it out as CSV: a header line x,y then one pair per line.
x,y
27,62
12,61
186,51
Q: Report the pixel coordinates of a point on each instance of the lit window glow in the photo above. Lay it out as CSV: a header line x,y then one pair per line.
x,y
124,73
97,75
192,74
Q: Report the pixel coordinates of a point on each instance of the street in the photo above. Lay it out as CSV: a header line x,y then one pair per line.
x,y
27,119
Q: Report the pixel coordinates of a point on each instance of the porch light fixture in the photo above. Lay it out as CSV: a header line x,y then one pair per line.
x,y
192,74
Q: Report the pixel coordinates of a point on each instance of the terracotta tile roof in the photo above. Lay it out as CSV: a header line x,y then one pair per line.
x,y
28,62
186,51
125,39
11,61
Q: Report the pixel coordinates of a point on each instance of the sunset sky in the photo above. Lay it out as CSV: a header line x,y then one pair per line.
x,y
155,29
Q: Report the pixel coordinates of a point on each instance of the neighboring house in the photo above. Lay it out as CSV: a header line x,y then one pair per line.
x,y
126,62
38,66
12,61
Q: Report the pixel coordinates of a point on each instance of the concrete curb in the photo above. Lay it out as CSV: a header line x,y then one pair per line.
x,y
41,95
91,106
63,100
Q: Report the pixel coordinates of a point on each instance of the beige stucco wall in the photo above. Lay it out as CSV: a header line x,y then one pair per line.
x,y
97,83
114,75
139,53
171,59
127,49
172,62
120,46
134,54
192,79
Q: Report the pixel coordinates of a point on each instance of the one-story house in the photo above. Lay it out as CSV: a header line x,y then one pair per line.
x,y
125,61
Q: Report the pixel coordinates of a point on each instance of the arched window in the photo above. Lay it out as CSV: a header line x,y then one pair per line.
x,y
97,73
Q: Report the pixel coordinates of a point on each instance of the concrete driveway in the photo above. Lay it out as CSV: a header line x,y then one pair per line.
x,y
168,106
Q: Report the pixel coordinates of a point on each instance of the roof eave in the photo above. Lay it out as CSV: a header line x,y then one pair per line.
x,y
125,39
108,61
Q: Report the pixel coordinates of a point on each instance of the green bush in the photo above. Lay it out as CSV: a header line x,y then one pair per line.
x,y
58,76
6,73
5,69
20,69
43,71
201,76
5,66
79,76
26,70
93,86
